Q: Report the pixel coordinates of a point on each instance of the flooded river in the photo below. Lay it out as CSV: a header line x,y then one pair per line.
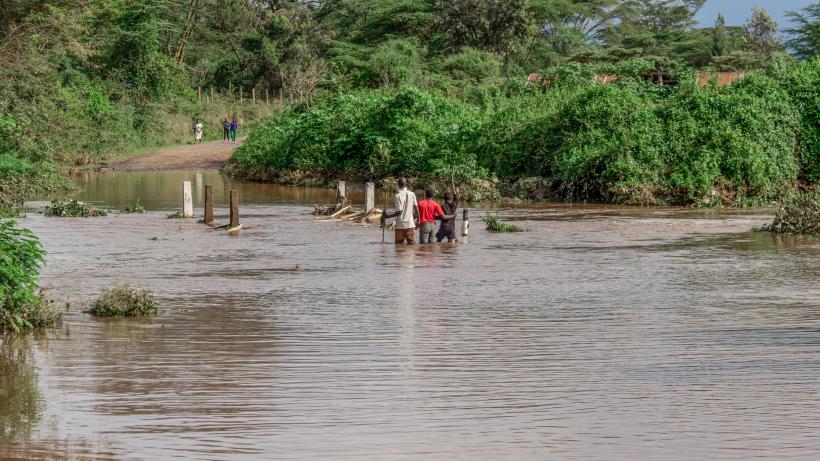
x,y
602,333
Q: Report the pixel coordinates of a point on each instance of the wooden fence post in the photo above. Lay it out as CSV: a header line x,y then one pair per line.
x,y
281,94
369,196
199,91
209,205
267,96
341,192
465,225
253,95
230,89
241,95
234,209
187,200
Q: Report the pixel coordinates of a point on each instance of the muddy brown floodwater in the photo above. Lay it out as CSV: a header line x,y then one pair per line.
x,y
602,333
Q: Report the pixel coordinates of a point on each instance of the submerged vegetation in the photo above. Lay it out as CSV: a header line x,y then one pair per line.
x,y
21,257
136,208
495,225
798,214
72,208
124,301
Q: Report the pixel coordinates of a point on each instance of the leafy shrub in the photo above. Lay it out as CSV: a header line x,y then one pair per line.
x,y
136,208
124,301
72,208
21,257
367,134
798,214
495,225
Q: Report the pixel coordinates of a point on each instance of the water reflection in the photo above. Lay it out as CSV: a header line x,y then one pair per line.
x,y
20,399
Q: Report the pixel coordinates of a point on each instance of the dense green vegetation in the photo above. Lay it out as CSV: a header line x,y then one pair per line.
x,y
629,141
124,301
21,257
81,81
798,214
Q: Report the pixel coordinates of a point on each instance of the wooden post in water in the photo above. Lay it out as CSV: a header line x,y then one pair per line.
x,y
341,192
369,196
465,225
234,209
209,205
187,200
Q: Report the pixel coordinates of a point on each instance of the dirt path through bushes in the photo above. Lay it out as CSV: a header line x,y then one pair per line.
x,y
208,155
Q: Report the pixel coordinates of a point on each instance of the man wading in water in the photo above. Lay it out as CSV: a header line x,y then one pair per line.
x,y
448,223
407,211
429,210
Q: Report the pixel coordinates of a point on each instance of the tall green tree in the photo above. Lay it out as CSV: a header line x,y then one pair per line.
x,y
762,32
804,36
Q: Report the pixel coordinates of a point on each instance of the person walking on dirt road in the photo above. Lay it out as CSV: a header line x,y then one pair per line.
x,y
198,132
226,129
234,127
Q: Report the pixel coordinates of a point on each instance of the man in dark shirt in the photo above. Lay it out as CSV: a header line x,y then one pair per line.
x,y
448,226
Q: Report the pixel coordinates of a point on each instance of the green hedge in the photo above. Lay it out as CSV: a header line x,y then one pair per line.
x,y
628,141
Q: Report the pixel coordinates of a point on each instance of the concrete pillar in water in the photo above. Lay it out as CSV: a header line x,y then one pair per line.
x,y
465,225
209,205
341,192
234,209
187,200
369,196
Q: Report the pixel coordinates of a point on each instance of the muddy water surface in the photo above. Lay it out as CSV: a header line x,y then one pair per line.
x,y
602,333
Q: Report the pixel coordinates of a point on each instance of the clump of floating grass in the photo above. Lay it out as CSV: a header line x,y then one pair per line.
x,y
174,215
136,208
495,225
798,214
124,301
71,208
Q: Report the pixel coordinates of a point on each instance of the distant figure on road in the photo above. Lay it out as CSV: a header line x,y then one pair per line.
x,y
226,129
429,210
407,210
198,131
234,127
448,225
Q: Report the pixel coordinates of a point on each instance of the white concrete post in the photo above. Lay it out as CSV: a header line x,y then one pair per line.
x,y
341,192
465,225
187,200
369,196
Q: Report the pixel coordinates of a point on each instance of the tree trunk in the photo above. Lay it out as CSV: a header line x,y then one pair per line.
x,y
186,32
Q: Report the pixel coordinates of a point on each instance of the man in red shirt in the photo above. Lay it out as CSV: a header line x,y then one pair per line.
x,y
428,211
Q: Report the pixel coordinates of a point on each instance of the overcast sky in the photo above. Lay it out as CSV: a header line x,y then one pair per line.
x,y
737,11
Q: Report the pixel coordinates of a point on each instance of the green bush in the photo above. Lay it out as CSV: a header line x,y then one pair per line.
x,y
21,257
72,208
136,208
368,134
798,214
124,301
495,225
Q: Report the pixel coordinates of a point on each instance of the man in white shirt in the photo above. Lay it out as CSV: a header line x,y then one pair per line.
x,y
407,212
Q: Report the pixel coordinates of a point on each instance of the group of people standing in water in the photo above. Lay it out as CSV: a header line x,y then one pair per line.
x,y
412,214
229,130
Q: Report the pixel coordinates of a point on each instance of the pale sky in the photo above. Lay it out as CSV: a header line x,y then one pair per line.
x,y
737,11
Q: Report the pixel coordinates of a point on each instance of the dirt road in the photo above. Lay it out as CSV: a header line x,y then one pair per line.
x,y
208,155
